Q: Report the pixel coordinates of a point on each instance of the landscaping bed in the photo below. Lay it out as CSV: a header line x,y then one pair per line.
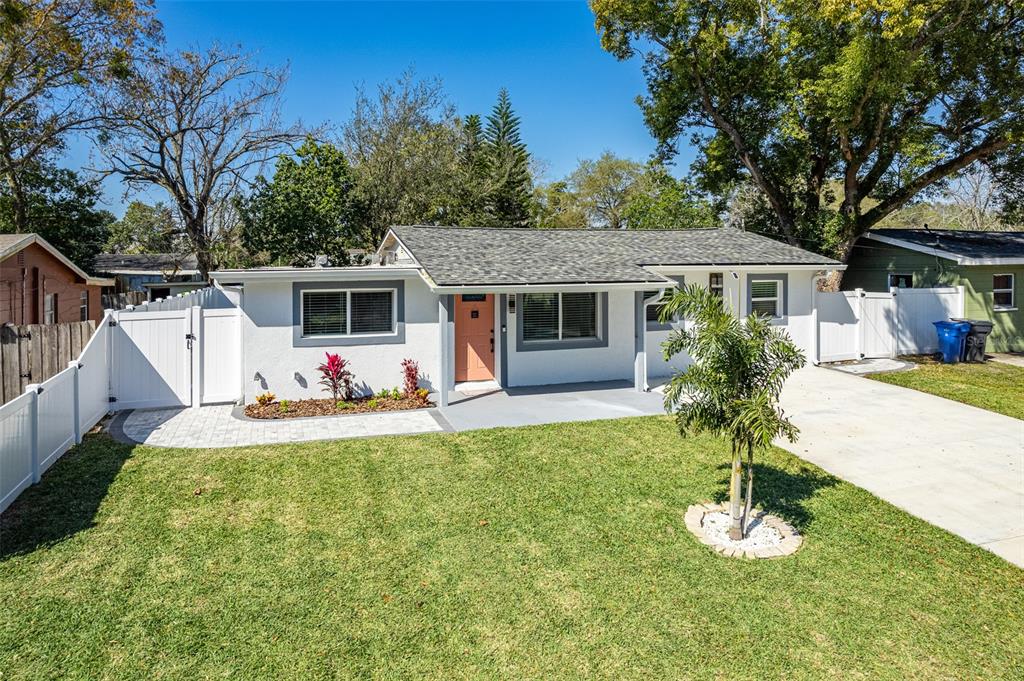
x,y
288,409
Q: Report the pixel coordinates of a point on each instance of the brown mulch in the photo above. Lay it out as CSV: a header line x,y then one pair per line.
x,y
328,407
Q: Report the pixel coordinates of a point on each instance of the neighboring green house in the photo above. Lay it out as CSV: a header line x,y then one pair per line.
x,y
989,265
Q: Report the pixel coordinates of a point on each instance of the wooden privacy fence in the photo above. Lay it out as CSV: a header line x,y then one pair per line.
x,y
34,353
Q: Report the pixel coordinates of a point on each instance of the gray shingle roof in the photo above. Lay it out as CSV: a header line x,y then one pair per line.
x,y
454,256
962,243
153,262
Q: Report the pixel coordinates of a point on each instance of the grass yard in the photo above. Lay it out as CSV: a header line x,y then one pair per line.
x,y
545,552
992,386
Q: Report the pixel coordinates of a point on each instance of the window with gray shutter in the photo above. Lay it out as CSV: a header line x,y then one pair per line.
x,y
766,298
324,313
559,316
579,315
355,312
540,316
371,311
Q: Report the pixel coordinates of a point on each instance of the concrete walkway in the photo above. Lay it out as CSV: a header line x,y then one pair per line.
x,y
216,426
954,465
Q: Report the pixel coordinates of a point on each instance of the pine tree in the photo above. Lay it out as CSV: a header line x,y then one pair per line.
x,y
510,190
471,189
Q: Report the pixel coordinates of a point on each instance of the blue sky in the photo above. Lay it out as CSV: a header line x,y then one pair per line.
x,y
575,100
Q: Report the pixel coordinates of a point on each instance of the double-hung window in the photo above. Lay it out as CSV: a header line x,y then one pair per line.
x,y
766,297
1003,297
350,312
559,316
83,306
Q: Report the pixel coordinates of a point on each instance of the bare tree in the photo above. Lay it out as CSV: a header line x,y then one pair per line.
x,y
54,57
199,125
402,142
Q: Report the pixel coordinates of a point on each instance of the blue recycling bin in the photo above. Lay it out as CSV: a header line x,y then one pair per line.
x,y
951,339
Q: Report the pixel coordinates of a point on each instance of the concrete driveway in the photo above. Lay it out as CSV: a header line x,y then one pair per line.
x,y
956,466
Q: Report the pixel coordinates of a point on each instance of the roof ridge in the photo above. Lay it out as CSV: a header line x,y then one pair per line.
x,y
542,230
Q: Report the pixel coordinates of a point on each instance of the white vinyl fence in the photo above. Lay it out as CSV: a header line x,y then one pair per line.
x,y
180,352
863,324
39,426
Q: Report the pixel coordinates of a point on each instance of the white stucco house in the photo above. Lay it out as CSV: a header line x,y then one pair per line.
x,y
515,307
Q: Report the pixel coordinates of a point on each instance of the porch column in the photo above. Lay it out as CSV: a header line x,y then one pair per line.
x,y
444,350
640,342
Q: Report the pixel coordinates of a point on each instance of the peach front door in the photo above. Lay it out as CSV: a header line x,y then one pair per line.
x,y
474,337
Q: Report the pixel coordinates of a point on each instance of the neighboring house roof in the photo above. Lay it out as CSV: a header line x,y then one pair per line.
x,y
961,246
460,256
12,243
146,263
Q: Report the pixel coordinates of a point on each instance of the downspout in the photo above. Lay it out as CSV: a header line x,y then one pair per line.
x,y
815,328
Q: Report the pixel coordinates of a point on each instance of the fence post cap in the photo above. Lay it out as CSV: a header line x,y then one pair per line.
x,y
74,364
34,388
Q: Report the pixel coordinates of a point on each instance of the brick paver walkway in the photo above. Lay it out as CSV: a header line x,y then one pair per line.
x,y
215,426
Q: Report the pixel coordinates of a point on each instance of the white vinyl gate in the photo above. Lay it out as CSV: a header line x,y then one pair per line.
x,y
176,358
865,324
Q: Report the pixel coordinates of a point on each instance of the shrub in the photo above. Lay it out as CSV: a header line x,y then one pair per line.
x,y
284,406
265,398
411,374
335,377
373,403
342,405
422,394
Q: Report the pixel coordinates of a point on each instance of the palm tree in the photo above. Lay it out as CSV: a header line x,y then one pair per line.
x,y
732,388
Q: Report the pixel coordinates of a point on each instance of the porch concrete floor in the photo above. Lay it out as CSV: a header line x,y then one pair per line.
x,y
550,404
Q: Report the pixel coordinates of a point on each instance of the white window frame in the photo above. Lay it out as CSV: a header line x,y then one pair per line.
x,y
720,288
560,339
889,277
1013,294
348,313
778,297
83,306
50,315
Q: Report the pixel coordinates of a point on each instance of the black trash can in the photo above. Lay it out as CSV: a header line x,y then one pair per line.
x,y
974,344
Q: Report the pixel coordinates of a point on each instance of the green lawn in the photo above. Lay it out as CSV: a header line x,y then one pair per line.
x,y
993,386
545,552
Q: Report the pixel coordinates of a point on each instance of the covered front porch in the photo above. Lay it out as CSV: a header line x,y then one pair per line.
x,y
543,339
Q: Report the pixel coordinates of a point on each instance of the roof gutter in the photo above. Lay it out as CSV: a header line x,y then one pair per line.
x,y
314,274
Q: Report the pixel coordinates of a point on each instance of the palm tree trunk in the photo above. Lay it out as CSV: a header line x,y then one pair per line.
x,y
735,482
750,487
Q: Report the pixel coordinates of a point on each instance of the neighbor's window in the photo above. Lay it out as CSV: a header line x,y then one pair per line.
x,y
766,297
901,281
1002,292
83,306
50,308
348,313
716,283
559,316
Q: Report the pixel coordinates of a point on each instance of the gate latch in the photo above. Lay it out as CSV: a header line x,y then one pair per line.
x,y
189,337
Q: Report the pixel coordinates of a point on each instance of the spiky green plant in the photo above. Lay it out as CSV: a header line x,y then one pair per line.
x,y
732,387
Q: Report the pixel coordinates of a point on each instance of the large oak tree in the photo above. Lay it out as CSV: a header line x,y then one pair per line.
x,y
839,112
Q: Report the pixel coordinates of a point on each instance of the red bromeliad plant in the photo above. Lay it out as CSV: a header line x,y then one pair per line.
x,y
411,372
335,377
